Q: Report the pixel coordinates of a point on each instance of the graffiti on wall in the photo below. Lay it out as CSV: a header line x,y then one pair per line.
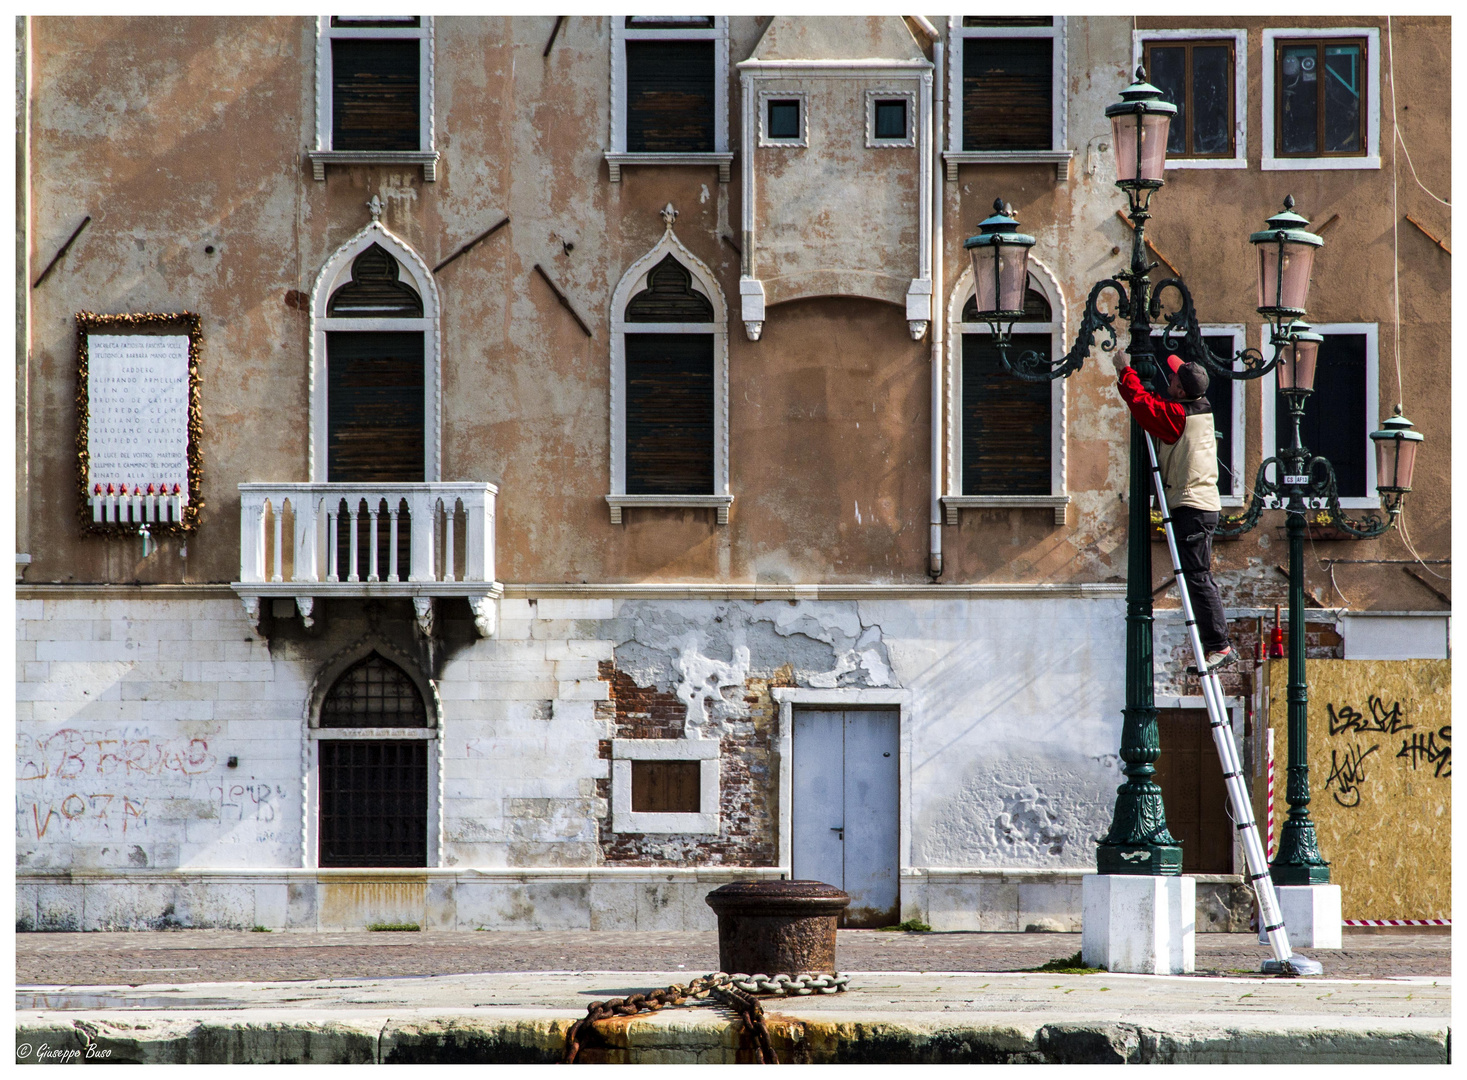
x,y
1361,732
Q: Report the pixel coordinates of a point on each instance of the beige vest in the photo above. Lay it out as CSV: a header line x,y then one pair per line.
x,y
1189,465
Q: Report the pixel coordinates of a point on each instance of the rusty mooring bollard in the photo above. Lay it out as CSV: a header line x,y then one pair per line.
x,y
771,927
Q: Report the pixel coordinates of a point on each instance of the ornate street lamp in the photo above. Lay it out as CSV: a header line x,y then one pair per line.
x,y
1302,480
1138,841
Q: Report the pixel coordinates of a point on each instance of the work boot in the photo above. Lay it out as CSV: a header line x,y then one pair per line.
x,y
1225,657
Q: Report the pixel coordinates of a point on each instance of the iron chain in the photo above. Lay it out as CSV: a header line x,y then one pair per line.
x,y
733,990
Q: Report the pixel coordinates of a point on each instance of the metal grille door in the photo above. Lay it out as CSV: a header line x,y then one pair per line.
x,y
374,802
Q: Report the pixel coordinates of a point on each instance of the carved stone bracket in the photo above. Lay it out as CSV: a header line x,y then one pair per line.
x,y
423,606
486,615
252,612
306,606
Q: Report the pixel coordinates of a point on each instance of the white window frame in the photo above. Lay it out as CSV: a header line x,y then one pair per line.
x,y
1059,152
1058,498
1371,331
872,97
313,734
1239,38
704,282
626,820
765,97
427,154
618,156
336,273
1238,451
1371,158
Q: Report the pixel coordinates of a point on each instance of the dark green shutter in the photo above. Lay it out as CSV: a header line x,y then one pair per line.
x,y
1007,422
374,94
670,96
669,433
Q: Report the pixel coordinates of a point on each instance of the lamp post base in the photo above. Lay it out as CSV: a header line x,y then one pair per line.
x,y
1299,874
1150,860
1312,916
1144,925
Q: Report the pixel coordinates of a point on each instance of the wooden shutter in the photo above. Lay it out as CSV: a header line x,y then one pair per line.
x,y
669,297
1192,789
1036,307
669,430
374,407
1007,93
374,802
374,94
1335,424
666,787
669,96
1006,421
1220,393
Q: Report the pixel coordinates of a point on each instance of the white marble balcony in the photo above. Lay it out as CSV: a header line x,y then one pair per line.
x,y
419,541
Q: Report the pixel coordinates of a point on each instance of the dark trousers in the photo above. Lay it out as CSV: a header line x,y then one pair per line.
x,y
1193,529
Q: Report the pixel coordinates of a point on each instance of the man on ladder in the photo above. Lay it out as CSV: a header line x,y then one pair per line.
x,y
1182,420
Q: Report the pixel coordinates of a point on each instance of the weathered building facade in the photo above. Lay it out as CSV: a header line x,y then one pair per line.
x,y
600,492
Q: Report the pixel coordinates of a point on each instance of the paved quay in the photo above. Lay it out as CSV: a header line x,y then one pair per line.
x,y
934,1010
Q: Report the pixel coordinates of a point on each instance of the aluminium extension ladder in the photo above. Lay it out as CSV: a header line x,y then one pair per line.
x,y
1285,962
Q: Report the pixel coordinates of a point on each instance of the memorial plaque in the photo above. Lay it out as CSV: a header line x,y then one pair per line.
x,y
138,432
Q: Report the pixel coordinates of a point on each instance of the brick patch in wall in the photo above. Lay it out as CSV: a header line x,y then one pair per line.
x,y
747,829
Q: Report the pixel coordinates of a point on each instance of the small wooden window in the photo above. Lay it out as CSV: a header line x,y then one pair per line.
x,y
1197,77
1220,396
374,291
1335,424
374,407
666,787
670,96
1007,421
669,443
669,297
1036,307
1008,93
1004,21
1320,98
375,100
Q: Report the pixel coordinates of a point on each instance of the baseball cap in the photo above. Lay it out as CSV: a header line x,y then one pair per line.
x,y
1192,375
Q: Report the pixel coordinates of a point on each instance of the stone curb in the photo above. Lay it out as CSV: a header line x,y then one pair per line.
x,y
707,1036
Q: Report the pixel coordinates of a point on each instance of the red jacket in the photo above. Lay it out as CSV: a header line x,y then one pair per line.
x,y
1161,417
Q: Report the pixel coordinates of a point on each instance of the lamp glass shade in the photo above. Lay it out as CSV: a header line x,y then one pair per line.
x,y
1291,261
1000,275
1395,453
1297,365
1151,128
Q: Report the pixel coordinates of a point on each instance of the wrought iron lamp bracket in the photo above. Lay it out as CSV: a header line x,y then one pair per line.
x,y
1182,334
1322,490
1034,366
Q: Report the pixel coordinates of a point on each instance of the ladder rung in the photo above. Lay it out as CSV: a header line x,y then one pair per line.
x,y
1271,929
1256,877
1231,775
1244,826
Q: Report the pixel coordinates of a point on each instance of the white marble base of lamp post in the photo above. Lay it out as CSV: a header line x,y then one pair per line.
x,y
1140,924
1312,916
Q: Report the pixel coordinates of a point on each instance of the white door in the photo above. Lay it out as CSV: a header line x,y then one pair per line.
x,y
844,818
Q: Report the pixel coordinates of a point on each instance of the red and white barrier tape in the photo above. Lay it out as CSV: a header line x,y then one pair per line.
x,y
1397,922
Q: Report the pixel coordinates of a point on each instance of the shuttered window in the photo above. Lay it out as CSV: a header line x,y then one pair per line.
x,y
669,423
374,407
1335,425
375,99
1220,393
374,802
666,787
1193,791
1008,92
1007,421
670,96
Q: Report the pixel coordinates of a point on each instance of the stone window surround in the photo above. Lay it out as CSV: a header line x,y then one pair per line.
x,y
872,97
1059,153
1372,403
788,697
1371,158
765,97
336,272
313,734
626,820
632,282
1239,38
427,154
618,156
1058,499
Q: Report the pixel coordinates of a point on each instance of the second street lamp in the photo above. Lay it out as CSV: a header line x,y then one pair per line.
x,y
1138,840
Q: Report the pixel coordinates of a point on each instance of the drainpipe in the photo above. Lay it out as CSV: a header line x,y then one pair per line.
x,y
939,310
